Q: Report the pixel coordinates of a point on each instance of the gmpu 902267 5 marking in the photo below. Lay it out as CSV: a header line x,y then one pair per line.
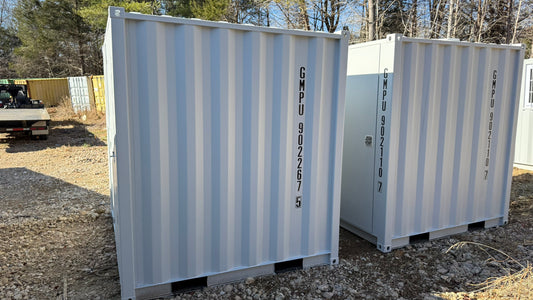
x,y
300,137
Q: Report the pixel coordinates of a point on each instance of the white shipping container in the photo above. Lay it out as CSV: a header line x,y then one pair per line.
x,y
429,138
225,146
79,93
524,133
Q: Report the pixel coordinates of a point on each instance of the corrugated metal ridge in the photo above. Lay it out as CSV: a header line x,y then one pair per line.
x,y
460,43
224,25
438,41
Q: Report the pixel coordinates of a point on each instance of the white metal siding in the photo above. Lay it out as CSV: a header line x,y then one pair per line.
x,y
206,124
524,133
79,93
436,137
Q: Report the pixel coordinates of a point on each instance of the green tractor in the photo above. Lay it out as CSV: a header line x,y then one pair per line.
x,y
14,96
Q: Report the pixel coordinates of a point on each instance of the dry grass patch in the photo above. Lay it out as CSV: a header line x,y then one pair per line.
x,y
64,112
515,285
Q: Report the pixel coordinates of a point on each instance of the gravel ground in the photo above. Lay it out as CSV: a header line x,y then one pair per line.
x,y
57,237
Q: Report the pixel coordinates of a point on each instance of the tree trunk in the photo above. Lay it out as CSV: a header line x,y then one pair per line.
x,y
508,26
455,20
304,15
3,8
516,21
363,29
267,17
481,18
438,9
450,19
414,19
371,20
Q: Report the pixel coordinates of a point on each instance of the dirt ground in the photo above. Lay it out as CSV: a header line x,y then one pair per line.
x,y
57,237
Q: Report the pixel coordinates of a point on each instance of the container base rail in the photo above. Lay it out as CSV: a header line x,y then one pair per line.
x,y
173,288
422,237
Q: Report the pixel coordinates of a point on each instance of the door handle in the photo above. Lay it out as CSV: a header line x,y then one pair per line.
x,y
368,140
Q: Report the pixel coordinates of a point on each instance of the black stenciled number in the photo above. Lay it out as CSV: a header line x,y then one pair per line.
x,y
382,123
298,201
300,137
491,122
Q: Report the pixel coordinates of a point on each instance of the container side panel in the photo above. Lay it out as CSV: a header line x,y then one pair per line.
x,y
51,91
99,92
79,93
219,120
453,120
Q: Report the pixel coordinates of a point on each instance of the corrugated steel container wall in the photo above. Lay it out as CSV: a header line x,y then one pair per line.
x,y
524,134
52,91
21,81
442,154
99,92
204,148
79,93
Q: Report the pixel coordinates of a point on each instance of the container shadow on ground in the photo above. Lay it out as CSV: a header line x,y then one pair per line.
x,y
62,133
65,233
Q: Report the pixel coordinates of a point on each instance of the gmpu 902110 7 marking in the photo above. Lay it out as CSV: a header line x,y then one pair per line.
x,y
491,122
382,125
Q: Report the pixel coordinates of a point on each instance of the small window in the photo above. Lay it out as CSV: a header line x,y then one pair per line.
x,y
528,101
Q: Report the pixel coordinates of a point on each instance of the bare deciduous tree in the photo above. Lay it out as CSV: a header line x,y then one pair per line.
x,y
371,20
